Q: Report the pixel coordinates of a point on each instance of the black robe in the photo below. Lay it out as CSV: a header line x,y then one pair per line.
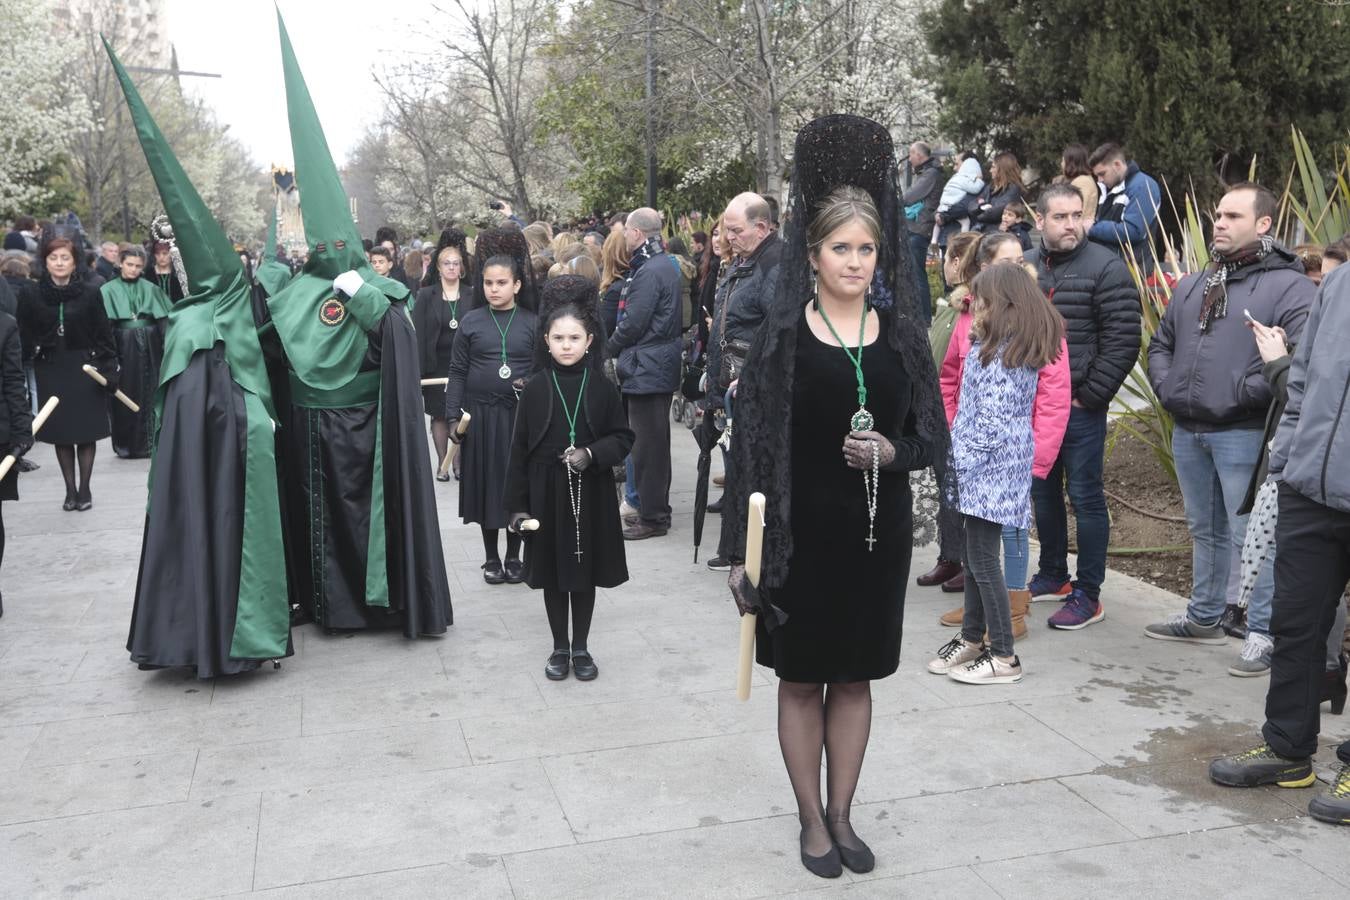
x,y
187,587
331,457
536,481
140,347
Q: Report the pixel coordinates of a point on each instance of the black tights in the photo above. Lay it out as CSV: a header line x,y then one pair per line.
x,y
583,606
2,532
65,456
440,437
490,544
836,718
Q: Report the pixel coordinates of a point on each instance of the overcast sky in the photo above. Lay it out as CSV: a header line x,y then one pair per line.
x,y
336,41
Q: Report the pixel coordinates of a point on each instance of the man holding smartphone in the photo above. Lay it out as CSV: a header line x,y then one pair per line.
x,y
1207,372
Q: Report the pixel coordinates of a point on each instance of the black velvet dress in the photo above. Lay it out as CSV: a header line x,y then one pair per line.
x,y
476,385
845,605
431,316
537,481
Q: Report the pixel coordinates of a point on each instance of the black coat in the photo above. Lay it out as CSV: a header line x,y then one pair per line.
x,y
431,317
1095,294
609,306
536,481
985,209
16,422
86,323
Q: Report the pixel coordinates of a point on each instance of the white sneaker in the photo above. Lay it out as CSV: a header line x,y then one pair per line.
x,y
626,510
988,669
1254,660
952,654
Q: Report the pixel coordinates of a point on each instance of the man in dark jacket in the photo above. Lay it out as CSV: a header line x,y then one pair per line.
x,y
1207,373
646,346
742,303
1129,206
1311,460
1095,294
926,189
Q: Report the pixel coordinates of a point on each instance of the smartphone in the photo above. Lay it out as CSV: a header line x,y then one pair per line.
x,y
1247,313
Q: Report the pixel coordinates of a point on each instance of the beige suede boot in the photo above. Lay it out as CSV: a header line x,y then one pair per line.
x,y
952,618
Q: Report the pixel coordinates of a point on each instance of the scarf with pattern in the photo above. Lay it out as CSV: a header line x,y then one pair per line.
x,y
649,248
1215,304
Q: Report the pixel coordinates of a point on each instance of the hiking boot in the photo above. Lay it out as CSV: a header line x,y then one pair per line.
x,y
1043,587
1261,765
1334,805
1077,613
1182,628
953,653
1254,660
987,669
952,618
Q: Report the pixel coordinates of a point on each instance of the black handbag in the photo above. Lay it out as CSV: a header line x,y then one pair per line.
x,y
732,360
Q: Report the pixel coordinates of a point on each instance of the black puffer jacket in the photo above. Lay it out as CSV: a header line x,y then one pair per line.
x,y
1095,294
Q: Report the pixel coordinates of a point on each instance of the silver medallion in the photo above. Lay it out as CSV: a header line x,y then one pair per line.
x,y
504,371
862,420
454,323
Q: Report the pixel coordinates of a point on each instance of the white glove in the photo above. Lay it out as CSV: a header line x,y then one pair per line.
x,y
349,282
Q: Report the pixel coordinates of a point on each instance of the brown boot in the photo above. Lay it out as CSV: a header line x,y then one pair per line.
x,y
952,618
1019,602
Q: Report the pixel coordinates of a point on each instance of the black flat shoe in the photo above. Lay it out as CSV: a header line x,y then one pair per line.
x,y
858,859
515,571
584,667
556,667
492,572
440,477
84,505
827,866
69,505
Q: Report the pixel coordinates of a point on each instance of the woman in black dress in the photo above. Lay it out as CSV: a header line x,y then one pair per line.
x,y
570,431
492,359
838,403
435,315
16,421
163,275
64,327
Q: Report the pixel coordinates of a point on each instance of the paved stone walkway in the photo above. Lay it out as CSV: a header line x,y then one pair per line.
x,y
370,766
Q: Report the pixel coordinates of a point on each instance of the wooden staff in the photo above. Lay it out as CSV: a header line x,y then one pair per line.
x,y
434,382
754,545
43,414
460,428
123,398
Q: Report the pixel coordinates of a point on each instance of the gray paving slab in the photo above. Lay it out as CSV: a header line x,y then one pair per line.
x,y
372,766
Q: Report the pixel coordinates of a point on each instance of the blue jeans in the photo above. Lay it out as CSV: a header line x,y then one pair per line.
x,y
1016,551
630,492
918,247
1079,465
1214,469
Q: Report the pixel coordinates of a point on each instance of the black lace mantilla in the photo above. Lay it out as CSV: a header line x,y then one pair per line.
x,y
831,152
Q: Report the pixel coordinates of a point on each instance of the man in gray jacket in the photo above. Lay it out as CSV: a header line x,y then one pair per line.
x,y
1311,460
1206,370
924,193
646,347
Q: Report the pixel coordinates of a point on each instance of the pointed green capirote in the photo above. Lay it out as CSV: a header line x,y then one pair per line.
x,y
270,248
272,274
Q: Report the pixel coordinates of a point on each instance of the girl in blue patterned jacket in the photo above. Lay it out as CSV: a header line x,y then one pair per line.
x,y
1015,333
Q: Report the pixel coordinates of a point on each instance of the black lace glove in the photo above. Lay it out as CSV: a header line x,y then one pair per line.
x,y
513,524
21,446
743,592
113,375
858,450
455,436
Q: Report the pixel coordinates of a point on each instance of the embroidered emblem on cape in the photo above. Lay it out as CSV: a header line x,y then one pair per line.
x,y
332,312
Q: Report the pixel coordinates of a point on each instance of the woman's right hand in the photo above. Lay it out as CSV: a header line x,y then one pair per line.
x,y
455,436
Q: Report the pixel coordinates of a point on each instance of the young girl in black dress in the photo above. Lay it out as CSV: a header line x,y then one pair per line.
x,y
493,356
570,433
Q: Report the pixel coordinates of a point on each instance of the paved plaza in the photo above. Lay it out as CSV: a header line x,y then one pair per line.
x,y
369,766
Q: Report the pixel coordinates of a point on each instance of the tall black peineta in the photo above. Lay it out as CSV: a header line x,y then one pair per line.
x,y
505,242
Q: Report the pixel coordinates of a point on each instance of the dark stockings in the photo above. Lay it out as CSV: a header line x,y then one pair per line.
x,y
440,438
583,607
2,533
65,457
490,544
836,720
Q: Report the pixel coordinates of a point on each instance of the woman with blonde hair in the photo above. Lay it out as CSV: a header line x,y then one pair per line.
x,y
616,261
537,236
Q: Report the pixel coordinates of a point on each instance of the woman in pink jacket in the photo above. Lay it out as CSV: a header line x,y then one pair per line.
x,y
1049,418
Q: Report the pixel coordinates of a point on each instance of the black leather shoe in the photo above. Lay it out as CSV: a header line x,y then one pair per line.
x,y
715,507
69,505
858,859
515,571
492,572
1234,621
84,505
584,667
827,866
1334,688
556,667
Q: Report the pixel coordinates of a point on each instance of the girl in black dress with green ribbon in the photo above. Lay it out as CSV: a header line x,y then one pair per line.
x,y
570,433
492,358
838,404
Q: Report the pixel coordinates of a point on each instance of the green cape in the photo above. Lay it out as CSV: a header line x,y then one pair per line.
x,y
218,308
141,298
